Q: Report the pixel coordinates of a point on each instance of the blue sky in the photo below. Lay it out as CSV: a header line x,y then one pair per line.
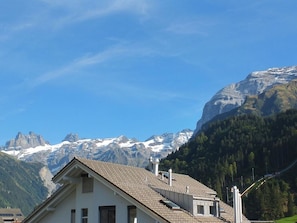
x,y
130,67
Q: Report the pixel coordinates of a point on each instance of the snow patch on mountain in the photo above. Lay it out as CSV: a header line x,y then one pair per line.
x,y
119,149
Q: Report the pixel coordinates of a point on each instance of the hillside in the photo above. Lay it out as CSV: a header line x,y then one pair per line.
x,y
239,150
278,98
235,94
20,184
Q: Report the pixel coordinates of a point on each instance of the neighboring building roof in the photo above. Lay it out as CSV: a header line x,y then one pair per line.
x,y
11,215
138,186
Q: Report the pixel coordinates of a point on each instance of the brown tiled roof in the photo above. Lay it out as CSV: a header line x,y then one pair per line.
x,y
140,187
138,183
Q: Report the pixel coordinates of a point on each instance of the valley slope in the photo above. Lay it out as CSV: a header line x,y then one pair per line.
x,y
20,184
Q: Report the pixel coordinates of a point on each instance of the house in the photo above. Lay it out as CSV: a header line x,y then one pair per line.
x,y
94,191
11,215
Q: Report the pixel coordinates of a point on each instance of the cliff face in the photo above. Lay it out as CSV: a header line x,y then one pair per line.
x,y
25,141
234,95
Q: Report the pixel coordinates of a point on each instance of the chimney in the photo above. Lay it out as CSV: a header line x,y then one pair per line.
x,y
187,189
156,166
151,164
170,177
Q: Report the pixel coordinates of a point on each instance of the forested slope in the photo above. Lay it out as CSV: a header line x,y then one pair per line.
x,y
20,184
239,150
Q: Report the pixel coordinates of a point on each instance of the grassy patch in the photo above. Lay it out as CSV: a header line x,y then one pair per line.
x,y
292,219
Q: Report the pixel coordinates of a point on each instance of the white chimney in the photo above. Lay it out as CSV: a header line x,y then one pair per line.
x,y
237,205
156,166
187,189
170,177
151,163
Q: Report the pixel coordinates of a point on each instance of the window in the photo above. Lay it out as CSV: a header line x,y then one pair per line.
x,y
200,209
107,214
87,184
6,214
132,218
72,216
212,210
84,215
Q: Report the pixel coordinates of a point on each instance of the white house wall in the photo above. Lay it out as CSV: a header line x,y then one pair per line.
x,y
206,204
143,217
101,196
104,196
183,200
61,212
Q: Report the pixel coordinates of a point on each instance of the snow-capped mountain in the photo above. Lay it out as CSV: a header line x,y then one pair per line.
x,y
234,95
118,150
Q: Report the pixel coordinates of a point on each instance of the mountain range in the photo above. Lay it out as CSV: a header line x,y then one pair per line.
x,y
33,148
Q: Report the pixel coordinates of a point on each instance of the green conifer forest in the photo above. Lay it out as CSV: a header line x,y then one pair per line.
x,y
240,150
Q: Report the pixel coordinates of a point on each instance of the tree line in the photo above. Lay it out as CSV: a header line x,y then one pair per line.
x,y
240,150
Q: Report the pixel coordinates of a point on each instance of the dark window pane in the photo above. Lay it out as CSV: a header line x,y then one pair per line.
x,y
107,214
72,218
132,218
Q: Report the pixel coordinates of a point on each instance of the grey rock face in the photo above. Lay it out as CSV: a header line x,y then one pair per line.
x,y
71,137
234,95
22,141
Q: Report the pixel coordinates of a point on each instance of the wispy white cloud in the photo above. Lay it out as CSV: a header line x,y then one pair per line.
x,y
79,11
108,55
111,86
190,27
144,93
57,14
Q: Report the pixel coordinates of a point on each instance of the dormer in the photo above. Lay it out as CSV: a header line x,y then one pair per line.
x,y
197,206
193,197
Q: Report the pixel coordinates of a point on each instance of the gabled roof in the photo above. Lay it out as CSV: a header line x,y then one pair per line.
x,y
138,186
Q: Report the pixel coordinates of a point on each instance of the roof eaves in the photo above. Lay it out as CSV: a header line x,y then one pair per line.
x,y
125,194
59,176
41,210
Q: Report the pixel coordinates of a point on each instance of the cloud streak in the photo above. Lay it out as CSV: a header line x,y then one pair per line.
x,y
83,11
111,85
196,26
111,54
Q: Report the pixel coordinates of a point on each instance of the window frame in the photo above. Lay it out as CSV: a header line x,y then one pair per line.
x,y
200,209
87,184
111,209
212,210
84,215
72,216
132,217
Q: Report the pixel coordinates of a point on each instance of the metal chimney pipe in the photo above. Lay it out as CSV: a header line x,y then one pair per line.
x,y
187,189
151,163
156,166
170,177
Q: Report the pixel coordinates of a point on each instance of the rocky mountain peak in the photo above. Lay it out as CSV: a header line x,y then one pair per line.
x,y
71,137
234,95
119,149
22,141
